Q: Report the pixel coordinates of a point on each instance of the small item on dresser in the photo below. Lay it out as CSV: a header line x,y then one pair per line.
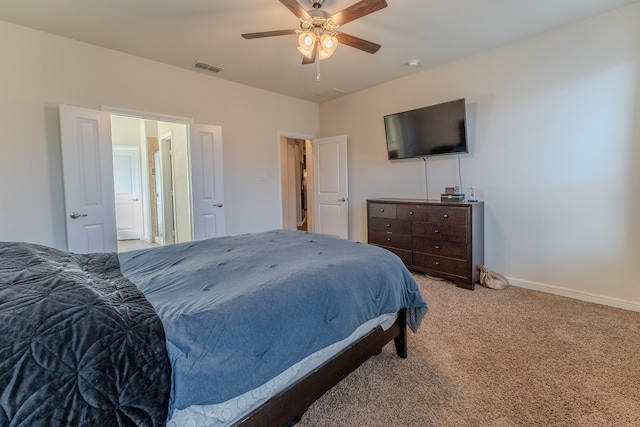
x,y
472,193
452,198
492,280
449,190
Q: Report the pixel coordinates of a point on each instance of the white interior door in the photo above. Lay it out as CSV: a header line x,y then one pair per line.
x,y
127,187
88,180
207,186
331,194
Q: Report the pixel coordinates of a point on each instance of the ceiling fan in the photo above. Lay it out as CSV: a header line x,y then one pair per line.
x,y
318,36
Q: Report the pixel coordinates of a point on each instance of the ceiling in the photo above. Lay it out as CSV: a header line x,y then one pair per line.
x,y
182,32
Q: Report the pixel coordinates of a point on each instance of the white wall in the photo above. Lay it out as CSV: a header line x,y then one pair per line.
x,y
40,71
555,143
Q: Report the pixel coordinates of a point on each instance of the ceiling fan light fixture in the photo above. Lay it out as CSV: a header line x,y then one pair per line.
x,y
328,44
306,41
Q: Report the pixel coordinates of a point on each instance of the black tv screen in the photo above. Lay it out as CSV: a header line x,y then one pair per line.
x,y
428,131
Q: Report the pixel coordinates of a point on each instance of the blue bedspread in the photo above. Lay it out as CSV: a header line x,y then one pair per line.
x,y
239,310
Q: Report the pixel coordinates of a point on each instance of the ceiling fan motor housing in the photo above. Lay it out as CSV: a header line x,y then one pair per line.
x,y
316,4
319,22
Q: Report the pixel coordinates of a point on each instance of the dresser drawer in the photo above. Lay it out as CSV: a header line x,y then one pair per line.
x,y
407,212
449,215
441,265
440,248
402,241
396,226
382,210
442,232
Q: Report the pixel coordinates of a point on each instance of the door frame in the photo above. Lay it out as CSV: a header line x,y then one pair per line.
x,y
105,113
220,228
147,115
168,187
310,186
312,225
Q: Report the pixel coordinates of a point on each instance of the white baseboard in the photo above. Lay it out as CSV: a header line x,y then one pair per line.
x,y
571,293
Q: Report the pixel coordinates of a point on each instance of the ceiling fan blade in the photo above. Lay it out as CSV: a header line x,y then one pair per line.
x,y
314,53
268,34
357,10
358,43
296,8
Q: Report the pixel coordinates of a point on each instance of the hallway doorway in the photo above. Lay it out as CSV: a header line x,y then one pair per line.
x,y
163,179
294,181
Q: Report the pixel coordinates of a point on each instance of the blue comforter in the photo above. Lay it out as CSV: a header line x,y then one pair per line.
x,y
239,310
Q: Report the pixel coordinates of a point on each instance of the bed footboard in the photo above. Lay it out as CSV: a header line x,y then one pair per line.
x,y
294,401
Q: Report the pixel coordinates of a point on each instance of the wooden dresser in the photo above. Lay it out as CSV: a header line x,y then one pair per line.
x,y
437,238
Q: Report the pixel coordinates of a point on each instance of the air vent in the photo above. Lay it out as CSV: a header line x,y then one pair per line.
x,y
207,67
331,93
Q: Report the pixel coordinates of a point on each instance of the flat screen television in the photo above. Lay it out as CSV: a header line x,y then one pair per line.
x,y
428,131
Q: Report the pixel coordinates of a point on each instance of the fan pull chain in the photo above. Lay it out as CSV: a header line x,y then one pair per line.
x,y
317,65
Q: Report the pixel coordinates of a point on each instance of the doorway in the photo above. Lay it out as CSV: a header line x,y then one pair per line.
x,y
317,169
163,179
89,195
294,173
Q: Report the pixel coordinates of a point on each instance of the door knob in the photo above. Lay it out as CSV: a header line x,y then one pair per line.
x,y
342,200
135,199
217,205
76,215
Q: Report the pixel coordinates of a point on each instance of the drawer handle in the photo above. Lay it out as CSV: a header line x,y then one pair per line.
x,y
410,212
437,247
446,215
438,263
388,225
381,210
436,231
388,239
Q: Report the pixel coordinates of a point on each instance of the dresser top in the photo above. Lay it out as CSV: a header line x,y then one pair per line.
x,y
422,201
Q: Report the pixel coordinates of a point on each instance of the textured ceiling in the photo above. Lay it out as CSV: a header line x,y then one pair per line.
x,y
182,32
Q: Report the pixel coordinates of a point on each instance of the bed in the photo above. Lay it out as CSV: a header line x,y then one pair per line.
x,y
239,330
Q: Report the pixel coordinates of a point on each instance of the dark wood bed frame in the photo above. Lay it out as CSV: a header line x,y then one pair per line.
x,y
288,406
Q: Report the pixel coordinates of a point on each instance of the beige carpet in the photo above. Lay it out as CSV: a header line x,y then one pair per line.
x,y
512,357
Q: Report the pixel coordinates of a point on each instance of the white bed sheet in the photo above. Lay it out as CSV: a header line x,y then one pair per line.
x,y
233,410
